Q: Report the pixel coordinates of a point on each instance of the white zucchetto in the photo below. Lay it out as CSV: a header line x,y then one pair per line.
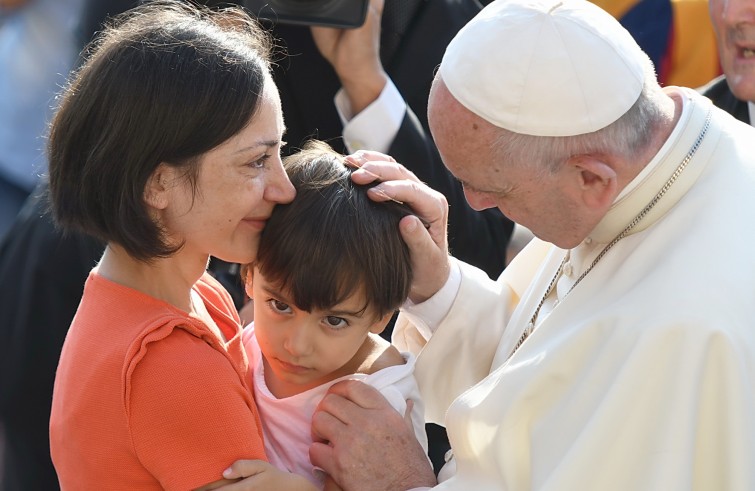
x,y
545,67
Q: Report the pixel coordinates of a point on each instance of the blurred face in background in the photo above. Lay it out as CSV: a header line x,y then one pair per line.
x,y
734,23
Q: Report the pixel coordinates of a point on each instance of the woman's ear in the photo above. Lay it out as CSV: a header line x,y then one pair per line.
x,y
156,189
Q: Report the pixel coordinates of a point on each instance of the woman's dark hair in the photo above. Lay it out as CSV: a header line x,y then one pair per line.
x,y
164,82
333,241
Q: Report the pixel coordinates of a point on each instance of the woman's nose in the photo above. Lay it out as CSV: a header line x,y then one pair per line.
x,y
279,188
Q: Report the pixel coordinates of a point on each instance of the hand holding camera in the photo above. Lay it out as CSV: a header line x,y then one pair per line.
x,y
355,57
333,13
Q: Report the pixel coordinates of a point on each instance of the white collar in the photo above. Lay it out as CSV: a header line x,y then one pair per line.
x,y
646,185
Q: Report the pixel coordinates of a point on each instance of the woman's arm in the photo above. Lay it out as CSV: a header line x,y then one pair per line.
x,y
189,410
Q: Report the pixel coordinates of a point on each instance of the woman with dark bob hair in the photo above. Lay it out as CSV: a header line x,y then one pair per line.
x,y
166,145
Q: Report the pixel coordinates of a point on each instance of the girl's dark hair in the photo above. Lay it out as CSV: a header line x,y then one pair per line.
x,y
164,82
333,241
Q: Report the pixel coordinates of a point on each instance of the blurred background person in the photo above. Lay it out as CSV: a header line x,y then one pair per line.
x,y
42,274
39,43
734,91
42,271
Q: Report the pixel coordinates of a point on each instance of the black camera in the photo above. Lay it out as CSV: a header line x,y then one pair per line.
x,y
331,13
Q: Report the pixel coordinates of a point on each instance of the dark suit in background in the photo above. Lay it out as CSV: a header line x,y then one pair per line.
x,y
42,276
718,91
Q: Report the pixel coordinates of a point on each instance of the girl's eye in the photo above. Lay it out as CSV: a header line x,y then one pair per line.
x,y
278,306
336,322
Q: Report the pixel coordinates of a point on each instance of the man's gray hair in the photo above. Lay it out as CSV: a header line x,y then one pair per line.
x,y
626,137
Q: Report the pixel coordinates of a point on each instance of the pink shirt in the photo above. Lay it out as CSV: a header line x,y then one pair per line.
x,y
286,422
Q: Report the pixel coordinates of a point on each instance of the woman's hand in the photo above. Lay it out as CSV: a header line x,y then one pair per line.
x,y
260,475
425,233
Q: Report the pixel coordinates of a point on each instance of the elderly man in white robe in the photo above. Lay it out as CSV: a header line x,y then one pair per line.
x,y
617,351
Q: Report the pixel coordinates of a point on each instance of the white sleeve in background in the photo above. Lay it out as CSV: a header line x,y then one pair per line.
x,y
375,127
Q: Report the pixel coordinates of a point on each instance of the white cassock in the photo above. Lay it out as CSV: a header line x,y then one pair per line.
x,y
640,378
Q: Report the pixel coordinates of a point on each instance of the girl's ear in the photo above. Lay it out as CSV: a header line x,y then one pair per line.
x,y
379,325
156,189
249,282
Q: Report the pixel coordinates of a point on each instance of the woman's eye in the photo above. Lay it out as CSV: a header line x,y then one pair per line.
x,y
260,163
336,322
279,306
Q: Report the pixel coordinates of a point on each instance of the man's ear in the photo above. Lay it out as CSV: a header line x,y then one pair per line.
x,y
596,181
379,325
156,189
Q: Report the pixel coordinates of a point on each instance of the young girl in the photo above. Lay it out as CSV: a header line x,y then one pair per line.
x,y
330,271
